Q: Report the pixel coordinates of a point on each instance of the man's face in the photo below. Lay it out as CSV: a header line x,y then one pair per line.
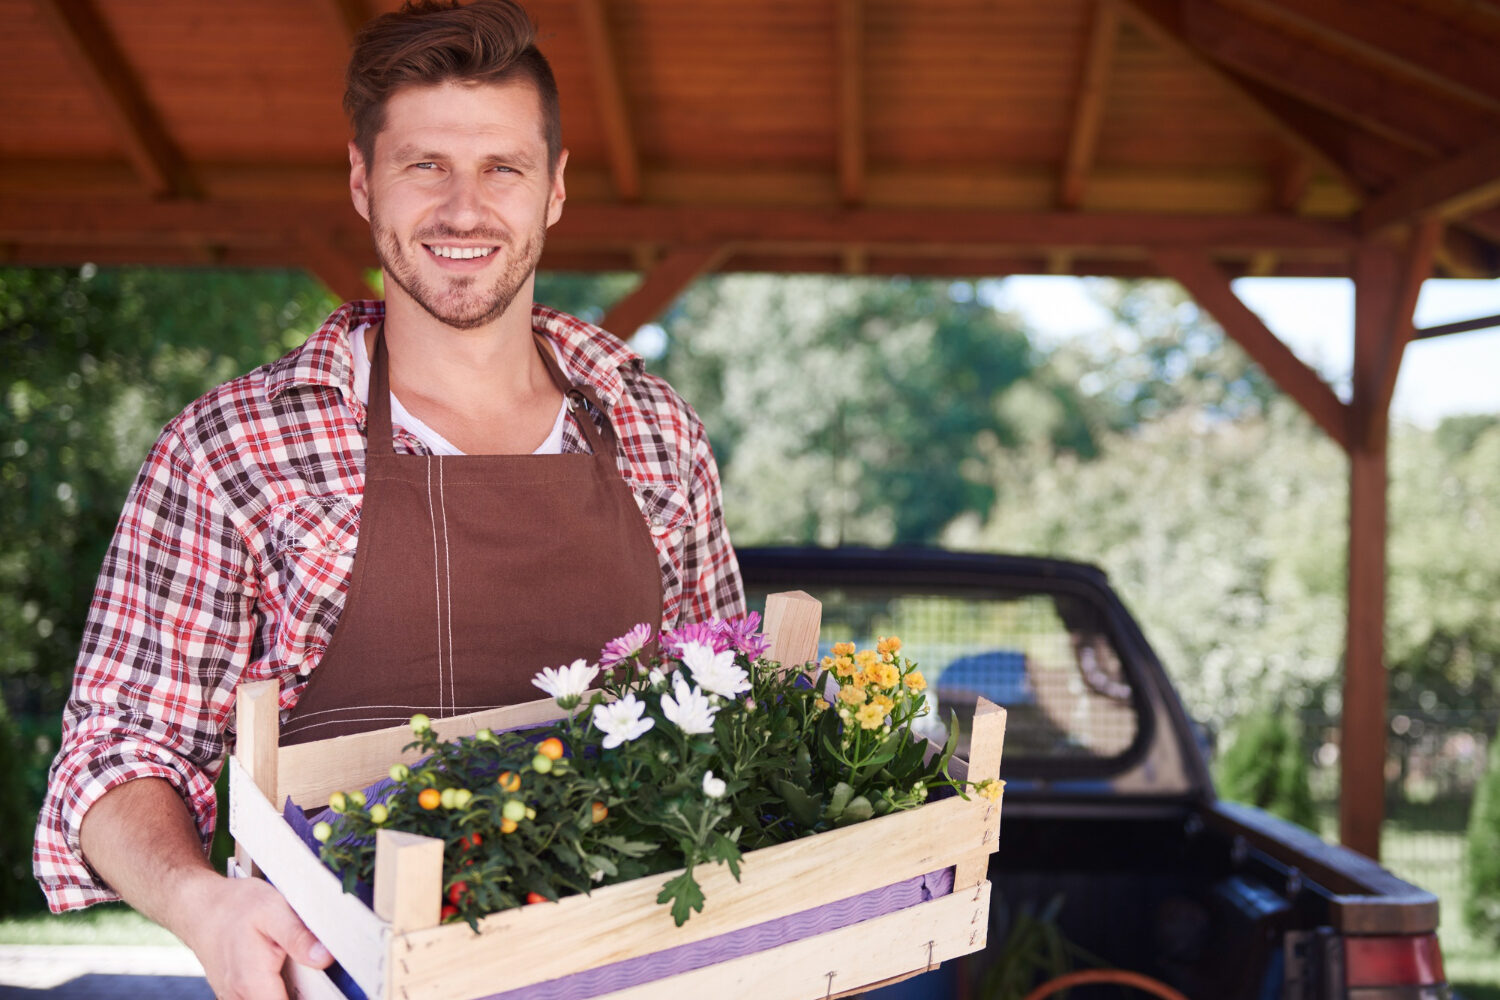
x,y
459,197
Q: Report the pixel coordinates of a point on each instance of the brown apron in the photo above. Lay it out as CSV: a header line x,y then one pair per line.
x,y
473,572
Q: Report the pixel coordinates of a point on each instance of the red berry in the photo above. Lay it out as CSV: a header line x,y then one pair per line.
x,y
447,912
456,891
535,897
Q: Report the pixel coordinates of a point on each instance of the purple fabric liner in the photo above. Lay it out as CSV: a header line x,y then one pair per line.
x,y
670,961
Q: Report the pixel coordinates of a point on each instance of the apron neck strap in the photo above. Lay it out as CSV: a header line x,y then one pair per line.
x,y
378,409
601,439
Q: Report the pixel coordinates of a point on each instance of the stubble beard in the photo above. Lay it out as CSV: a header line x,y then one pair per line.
x,y
462,303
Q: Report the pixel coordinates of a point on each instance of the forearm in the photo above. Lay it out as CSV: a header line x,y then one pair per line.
x,y
141,839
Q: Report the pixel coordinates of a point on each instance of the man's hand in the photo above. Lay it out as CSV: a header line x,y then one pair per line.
x,y
141,840
242,932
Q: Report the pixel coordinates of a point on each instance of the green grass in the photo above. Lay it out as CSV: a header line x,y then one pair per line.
x,y
109,923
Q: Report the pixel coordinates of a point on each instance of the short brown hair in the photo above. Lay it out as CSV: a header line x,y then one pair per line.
x,y
429,42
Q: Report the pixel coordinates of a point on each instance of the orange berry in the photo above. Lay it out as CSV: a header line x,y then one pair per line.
x,y
508,826
535,897
509,781
551,748
600,811
430,798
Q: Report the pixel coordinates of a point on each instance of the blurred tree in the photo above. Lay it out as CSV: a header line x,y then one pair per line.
x,y
1266,766
1482,895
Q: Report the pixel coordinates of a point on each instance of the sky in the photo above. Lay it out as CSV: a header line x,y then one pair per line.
x,y
1443,376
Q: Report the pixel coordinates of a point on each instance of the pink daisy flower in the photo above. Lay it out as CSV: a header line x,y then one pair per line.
x,y
626,646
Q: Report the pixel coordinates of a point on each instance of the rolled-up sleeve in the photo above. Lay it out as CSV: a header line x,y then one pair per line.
x,y
169,631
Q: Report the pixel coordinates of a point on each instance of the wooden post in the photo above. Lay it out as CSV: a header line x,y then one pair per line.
x,y
793,619
257,729
986,743
408,880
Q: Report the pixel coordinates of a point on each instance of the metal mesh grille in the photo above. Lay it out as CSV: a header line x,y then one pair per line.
x,y
1045,657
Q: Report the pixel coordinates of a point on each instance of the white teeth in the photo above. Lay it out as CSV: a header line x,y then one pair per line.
x,y
461,253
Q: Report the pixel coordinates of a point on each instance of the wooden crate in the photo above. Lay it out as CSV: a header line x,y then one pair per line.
x,y
398,949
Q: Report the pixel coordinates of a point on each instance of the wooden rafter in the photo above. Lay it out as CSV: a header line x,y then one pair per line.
x,y
1459,64
344,273
660,286
240,223
619,138
1459,326
1088,104
851,100
1291,179
1376,102
92,49
1161,20
1210,288
1449,189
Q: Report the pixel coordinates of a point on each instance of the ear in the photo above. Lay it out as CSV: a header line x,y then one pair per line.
x,y
559,193
359,182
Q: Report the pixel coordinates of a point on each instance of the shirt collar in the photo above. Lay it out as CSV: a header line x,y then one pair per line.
x,y
589,354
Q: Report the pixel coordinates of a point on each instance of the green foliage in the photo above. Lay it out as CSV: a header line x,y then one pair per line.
x,y
1266,766
1482,899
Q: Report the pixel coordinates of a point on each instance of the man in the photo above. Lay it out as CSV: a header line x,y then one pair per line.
x,y
425,503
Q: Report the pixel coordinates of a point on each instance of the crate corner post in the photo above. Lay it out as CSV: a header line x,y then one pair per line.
x,y
257,731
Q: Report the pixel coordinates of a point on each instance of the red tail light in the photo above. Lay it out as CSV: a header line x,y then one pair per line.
x,y
1409,960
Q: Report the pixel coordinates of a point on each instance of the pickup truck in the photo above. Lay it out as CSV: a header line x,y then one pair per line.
x,y
1110,813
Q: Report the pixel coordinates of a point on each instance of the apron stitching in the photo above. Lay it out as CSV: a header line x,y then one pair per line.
x,y
448,578
437,585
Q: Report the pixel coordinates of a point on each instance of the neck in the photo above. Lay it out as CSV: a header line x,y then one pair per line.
x,y
481,369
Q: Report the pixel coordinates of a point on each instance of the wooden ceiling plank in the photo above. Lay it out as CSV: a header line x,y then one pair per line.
x,y
346,17
619,138
1210,288
70,220
1460,64
1292,177
668,278
1450,189
1162,22
850,116
97,57
1088,106
1364,96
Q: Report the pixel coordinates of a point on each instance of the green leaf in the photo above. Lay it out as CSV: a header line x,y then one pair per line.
x,y
685,895
858,810
806,809
842,793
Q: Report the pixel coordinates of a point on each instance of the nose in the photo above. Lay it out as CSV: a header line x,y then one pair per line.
x,y
463,207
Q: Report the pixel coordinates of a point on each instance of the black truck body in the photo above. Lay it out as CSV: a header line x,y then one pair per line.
x,y
1109,802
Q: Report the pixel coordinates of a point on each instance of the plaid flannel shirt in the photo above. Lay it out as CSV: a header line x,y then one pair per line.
x,y
233,556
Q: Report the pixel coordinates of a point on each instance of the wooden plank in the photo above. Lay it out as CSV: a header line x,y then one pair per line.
x,y
257,729
1292,180
849,32
986,742
1460,64
1088,105
345,17
1450,189
97,57
792,622
345,925
301,983
609,94
408,880
1210,288
1459,326
625,920
659,287
1359,94
1416,267
310,772
851,959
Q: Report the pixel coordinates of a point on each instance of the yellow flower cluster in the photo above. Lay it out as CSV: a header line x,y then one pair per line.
x,y
872,682
991,789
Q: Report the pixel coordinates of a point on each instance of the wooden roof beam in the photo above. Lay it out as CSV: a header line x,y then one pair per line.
x,y
850,32
1453,188
660,286
1088,106
1459,64
1414,267
73,220
1461,326
1161,20
92,49
619,138
345,274
1210,288
1368,98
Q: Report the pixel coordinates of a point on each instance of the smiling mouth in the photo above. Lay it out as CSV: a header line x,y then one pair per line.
x,y
458,253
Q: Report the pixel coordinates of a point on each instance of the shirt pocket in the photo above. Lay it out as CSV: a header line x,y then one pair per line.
x,y
314,538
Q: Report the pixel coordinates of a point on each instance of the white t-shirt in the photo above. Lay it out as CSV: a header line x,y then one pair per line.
x,y
434,441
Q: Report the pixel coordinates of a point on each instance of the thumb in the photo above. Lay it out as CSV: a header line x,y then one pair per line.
x,y
297,941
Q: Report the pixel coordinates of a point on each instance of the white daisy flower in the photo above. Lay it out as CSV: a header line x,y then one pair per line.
x,y
621,721
688,708
715,673
713,787
567,684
